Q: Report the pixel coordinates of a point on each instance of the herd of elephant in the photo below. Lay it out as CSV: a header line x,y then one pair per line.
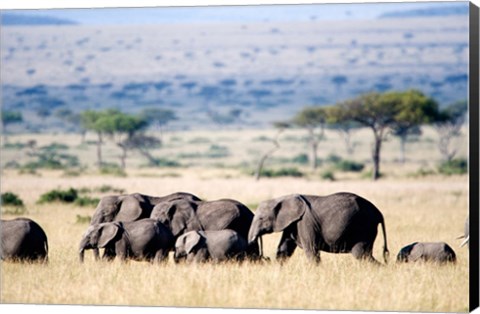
x,y
141,227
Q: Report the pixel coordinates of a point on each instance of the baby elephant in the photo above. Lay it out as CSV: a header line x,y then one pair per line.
x,y
145,239
216,245
438,252
22,239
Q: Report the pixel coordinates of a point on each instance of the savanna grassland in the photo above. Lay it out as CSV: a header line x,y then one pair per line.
x,y
418,204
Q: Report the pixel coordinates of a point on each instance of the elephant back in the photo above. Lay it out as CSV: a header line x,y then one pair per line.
x,y
225,214
23,239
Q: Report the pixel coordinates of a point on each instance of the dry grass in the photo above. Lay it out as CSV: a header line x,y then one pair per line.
x,y
413,211
431,208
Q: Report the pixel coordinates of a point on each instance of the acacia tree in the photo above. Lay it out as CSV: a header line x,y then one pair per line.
x,y
72,118
414,109
339,122
384,112
114,124
312,118
448,125
158,117
121,127
89,121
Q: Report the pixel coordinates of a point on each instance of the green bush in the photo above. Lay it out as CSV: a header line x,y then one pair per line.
x,y
166,163
112,169
328,175
217,151
454,166
283,172
108,188
11,199
64,196
332,158
84,201
348,165
301,159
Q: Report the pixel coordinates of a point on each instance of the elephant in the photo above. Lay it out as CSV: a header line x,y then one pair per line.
x,y
145,239
439,252
182,216
466,234
216,245
130,207
22,239
337,223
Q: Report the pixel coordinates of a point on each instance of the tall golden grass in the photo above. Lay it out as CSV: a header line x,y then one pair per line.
x,y
431,208
413,210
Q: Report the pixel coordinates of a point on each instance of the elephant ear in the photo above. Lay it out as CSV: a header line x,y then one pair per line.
x,y
191,241
288,210
129,209
107,233
179,214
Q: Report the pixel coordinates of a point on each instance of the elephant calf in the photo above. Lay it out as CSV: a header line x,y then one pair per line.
x,y
438,252
145,239
216,245
22,239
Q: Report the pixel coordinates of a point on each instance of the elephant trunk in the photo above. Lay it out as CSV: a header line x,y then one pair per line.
x,y
81,254
81,250
253,233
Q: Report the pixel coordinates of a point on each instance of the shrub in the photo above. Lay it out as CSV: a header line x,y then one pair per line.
x,y
454,166
327,175
112,169
301,159
283,172
348,165
11,199
108,188
334,158
84,201
162,162
64,196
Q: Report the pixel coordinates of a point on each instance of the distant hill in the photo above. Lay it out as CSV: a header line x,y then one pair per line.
x,y
9,19
429,12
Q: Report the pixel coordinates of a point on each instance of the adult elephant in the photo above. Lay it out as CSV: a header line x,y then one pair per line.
x,y
182,216
131,207
22,239
337,223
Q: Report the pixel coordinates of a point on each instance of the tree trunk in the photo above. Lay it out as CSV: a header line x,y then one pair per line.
x,y
123,157
403,142
376,156
314,147
265,156
99,150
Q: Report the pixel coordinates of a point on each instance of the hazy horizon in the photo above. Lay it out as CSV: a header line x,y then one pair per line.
x,y
232,13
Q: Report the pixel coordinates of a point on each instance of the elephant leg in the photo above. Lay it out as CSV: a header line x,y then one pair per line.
x,y
96,253
286,247
313,256
363,251
109,254
160,256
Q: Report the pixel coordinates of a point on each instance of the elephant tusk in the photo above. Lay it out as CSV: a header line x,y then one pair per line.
x,y
260,246
465,241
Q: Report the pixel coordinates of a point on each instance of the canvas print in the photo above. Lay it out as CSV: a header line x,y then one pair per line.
x,y
309,156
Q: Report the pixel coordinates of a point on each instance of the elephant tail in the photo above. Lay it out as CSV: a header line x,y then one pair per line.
x,y
386,252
